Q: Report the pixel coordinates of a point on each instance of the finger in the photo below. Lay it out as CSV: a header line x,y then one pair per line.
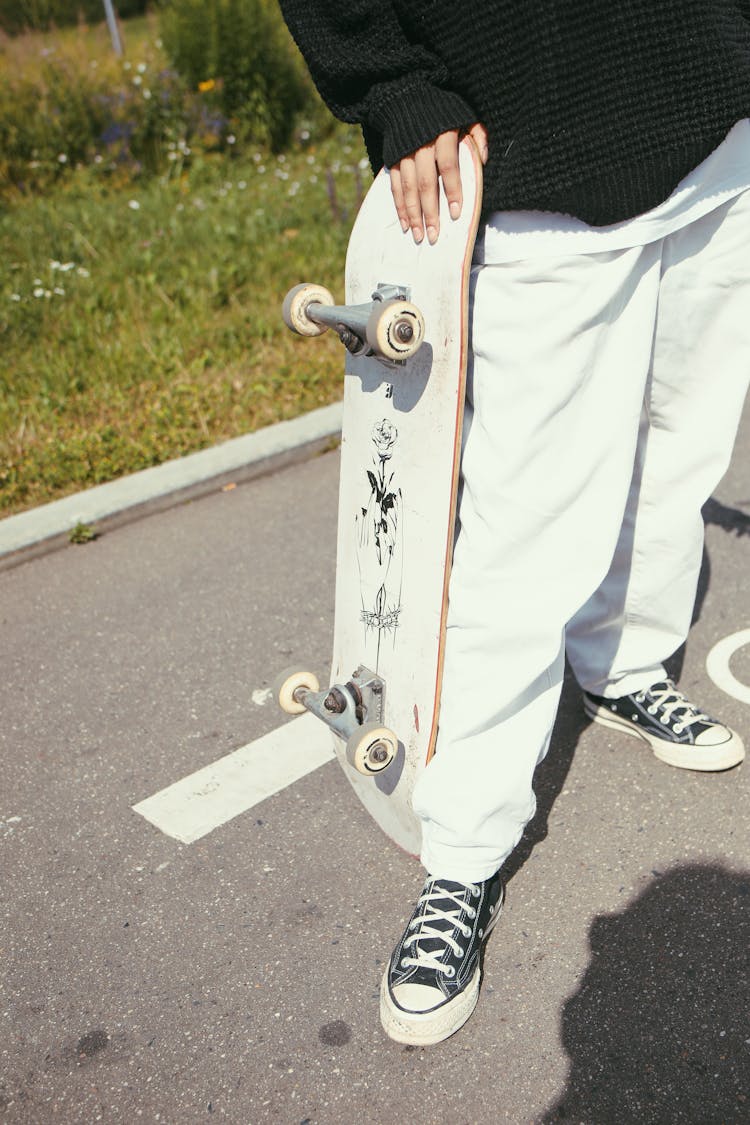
x,y
446,158
412,204
478,133
398,198
428,189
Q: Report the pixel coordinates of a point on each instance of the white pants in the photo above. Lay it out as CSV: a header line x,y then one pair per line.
x,y
602,407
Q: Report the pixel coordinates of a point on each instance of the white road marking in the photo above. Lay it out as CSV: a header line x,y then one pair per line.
x,y
717,665
208,798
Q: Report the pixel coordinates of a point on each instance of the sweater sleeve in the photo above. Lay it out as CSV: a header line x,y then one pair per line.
x,y
369,72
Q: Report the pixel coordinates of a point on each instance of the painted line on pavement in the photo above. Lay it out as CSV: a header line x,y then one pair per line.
x,y
717,665
208,798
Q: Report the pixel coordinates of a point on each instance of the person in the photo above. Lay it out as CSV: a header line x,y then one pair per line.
x,y
610,361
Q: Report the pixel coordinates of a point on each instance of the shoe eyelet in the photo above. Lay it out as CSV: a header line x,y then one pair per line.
x,y
475,892
481,932
471,913
450,971
460,951
664,721
678,728
652,710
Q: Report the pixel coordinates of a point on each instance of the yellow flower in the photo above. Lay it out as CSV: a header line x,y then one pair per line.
x,y
204,87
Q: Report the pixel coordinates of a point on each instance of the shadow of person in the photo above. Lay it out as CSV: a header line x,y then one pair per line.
x,y
658,1032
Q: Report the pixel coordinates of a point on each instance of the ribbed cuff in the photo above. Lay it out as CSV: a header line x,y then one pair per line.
x,y
413,114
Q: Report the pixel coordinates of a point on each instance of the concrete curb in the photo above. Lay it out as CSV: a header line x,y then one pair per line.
x,y
107,505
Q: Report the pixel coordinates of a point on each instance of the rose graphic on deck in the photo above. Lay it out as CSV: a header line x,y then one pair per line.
x,y
379,538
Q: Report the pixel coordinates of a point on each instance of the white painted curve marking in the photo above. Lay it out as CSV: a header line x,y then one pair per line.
x,y
717,665
215,794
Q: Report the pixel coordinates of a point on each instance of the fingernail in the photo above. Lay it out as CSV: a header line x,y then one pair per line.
x,y
432,235
404,226
485,154
455,209
418,235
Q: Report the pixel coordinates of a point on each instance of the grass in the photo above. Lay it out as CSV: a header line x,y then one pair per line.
x,y
140,320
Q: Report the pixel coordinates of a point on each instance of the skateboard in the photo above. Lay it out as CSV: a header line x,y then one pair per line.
x,y
405,330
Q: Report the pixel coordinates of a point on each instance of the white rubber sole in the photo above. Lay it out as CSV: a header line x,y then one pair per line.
x,y
683,755
424,1029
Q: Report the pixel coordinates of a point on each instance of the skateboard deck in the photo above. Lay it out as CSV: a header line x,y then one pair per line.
x,y
400,453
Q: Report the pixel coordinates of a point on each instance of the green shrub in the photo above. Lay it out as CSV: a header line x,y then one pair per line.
x,y
239,53
39,15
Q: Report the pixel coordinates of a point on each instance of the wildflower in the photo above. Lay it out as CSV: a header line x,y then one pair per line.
x,y
38,291
364,164
147,94
242,184
134,205
137,80
98,158
141,68
62,158
59,291
15,296
231,139
305,135
208,84
83,272
55,265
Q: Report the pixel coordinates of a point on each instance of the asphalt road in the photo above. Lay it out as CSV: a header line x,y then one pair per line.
x,y
236,977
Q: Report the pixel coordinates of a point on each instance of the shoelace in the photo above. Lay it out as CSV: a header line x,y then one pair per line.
x,y
667,699
424,928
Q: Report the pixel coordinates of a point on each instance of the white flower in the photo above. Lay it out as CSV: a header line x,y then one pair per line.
x,y
66,267
141,68
242,184
231,139
137,79
62,158
364,164
83,272
134,205
55,265
60,292
38,291
98,158
15,296
147,94
305,135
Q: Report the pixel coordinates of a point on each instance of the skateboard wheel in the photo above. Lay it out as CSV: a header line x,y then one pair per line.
x,y
296,304
395,329
371,748
286,684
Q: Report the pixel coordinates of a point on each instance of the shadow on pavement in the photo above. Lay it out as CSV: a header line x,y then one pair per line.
x,y
658,1032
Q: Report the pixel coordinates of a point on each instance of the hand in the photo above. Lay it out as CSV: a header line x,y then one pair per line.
x,y
415,182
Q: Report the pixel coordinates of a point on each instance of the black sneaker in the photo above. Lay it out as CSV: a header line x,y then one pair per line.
x,y
431,985
678,732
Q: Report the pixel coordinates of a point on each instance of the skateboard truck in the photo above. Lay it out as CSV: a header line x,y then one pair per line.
x,y
389,326
353,710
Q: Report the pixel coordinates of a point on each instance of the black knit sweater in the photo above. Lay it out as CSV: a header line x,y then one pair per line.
x,y
594,108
